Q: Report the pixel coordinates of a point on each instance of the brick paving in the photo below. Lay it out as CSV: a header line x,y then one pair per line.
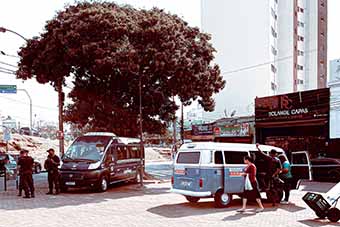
x,y
153,205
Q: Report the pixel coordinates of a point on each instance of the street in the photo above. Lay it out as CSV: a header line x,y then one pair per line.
x,y
153,205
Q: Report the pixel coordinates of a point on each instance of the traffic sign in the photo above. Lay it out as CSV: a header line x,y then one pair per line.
x,y
7,134
8,89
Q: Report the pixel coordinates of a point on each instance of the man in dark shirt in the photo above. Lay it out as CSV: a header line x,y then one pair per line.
x,y
25,167
51,165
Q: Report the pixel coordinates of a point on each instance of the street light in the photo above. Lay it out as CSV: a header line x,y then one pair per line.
x,y
3,30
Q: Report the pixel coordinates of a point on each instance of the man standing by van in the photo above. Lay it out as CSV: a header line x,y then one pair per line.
x,y
25,164
274,168
51,165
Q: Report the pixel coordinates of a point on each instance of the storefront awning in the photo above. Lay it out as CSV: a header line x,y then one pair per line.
x,y
295,123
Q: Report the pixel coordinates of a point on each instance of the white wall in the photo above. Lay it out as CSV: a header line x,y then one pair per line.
x,y
311,44
240,34
285,46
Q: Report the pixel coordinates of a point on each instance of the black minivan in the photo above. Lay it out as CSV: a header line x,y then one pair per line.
x,y
98,159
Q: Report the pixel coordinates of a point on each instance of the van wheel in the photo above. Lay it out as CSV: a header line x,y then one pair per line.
x,y
333,214
37,169
103,184
63,189
222,199
137,178
192,199
320,215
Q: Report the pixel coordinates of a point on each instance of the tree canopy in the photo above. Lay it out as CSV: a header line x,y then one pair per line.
x,y
107,49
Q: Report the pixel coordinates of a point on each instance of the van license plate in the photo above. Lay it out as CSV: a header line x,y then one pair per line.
x,y
71,183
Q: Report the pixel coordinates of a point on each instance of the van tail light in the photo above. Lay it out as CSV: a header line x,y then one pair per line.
x,y
201,183
172,180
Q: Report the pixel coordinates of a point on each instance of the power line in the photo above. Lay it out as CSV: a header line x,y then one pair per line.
x,y
261,64
11,73
5,63
37,106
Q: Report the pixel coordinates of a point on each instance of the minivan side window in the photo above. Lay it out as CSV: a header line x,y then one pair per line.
x,y
122,152
218,157
188,157
234,157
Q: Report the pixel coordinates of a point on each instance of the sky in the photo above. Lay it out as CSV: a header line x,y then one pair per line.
x,y
28,18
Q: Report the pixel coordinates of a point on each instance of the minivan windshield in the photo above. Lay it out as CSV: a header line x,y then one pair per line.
x,y
87,148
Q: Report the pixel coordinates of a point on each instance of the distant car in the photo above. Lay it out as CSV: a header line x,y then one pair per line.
x,y
326,169
25,131
36,165
11,166
35,133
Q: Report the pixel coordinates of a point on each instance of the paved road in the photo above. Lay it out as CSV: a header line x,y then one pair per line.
x,y
153,205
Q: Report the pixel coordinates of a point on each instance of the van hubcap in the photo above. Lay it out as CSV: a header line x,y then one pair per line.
x,y
225,198
104,184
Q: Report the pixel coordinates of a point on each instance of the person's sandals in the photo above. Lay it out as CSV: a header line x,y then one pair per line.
x,y
241,210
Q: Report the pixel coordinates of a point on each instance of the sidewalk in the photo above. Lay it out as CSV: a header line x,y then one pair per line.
x,y
152,205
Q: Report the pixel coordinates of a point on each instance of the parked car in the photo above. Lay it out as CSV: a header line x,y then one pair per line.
x,y
25,131
11,166
326,169
36,165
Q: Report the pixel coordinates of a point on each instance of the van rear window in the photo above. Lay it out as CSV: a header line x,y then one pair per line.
x,y
188,158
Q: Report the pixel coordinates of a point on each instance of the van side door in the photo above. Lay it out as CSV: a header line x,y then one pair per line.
x,y
233,169
300,167
110,161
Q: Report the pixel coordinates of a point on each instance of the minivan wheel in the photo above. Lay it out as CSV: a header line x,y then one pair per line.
x,y
333,214
222,199
103,184
192,199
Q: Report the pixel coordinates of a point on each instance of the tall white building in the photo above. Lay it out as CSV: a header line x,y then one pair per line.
x,y
265,47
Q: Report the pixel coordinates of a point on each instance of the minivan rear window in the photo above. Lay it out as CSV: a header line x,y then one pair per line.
x,y
188,158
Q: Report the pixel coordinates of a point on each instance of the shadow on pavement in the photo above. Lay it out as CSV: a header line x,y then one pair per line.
x,y
75,197
186,209
321,187
318,222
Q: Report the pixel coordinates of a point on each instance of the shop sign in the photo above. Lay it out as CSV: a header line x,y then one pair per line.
x,y
236,130
203,129
294,106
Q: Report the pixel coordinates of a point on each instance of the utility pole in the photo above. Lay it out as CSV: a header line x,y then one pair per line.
x,y
29,97
141,130
182,123
61,97
174,150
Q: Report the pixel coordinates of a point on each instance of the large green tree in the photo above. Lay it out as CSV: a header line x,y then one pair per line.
x,y
107,49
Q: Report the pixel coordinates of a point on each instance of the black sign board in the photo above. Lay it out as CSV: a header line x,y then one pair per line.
x,y
203,129
304,105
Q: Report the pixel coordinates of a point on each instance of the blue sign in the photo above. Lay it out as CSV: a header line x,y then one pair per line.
x,y
7,135
8,89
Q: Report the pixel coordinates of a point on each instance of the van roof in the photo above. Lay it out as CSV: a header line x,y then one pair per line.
x,y
227,146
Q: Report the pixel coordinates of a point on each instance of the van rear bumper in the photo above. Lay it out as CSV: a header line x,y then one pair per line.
x,y
191,193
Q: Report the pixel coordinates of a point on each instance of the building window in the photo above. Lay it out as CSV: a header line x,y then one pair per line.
x,y
274,51
299,67
301,24
323,4
300,38
273,14
300,53
274,32
301,10
274,86
273,68
299,81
